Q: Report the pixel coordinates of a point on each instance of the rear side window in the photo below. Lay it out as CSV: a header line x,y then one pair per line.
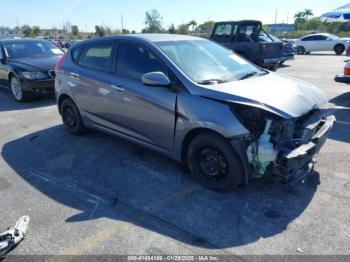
x,y
75,53
135,60
97,56
310,38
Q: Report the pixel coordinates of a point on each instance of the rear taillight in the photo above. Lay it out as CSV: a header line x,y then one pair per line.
x,y
346,71
263,48
59,63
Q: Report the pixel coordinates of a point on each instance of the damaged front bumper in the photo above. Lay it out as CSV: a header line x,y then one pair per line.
x,y
297,163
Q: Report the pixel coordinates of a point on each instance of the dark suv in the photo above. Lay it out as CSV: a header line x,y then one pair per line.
x,y
243,37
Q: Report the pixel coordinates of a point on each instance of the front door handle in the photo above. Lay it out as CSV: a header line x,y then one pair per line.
x,y
74,75
118,88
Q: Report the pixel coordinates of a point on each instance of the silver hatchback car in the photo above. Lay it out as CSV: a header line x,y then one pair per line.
x,y
196,102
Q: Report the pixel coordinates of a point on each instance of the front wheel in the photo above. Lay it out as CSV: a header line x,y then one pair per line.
x,y
71,117
300,50
214,163
339,49
17,90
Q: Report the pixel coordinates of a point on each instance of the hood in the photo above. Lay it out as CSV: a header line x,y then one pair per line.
x,y
281,95
42,64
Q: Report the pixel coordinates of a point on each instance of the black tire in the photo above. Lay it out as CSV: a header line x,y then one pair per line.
x,y
339,49
71,117
17,90
300,50
214,163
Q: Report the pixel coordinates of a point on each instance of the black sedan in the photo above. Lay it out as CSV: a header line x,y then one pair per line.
x,y
27,67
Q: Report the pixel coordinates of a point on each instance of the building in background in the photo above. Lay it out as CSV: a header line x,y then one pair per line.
x,y
6,32
281,28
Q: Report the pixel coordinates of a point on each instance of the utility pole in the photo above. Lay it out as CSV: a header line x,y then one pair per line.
x,y
276,16
122,23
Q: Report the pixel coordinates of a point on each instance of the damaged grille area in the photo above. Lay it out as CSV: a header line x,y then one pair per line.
x,y
297,141
284,147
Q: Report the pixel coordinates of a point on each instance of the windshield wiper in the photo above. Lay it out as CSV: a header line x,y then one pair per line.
x,y
211,81
248,75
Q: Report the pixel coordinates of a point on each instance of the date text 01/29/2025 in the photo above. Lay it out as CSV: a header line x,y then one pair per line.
x,y
172,258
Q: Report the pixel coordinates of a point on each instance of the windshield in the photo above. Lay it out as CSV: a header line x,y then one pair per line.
x,y
332,36
35,49
204,61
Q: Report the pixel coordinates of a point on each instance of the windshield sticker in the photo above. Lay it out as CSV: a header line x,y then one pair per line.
x,y
238,59
56,51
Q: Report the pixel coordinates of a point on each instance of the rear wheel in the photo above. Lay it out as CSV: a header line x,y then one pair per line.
x,y
339,49
71,117
17,90
214,163
300,50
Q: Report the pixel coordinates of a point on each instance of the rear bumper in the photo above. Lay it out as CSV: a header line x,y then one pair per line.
x,y
342,79
271,61
46,86
290,163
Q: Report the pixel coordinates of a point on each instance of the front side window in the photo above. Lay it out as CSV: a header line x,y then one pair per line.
x,y
134,60
28,49
248,33
97,56
203,61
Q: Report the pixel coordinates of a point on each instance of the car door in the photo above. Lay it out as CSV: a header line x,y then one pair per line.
x,y
309,43
324,43
90,79
3,68
145,113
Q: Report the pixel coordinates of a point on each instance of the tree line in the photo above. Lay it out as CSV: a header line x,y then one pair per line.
x,y
305,23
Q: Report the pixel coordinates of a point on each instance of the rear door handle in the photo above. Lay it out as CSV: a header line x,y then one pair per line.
x,y
118,88
74,75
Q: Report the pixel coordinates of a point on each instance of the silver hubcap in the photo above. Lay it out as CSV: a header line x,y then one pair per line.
x,y
16,89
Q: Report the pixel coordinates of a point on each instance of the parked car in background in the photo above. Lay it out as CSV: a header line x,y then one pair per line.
x,y
27,67
345,77
196,102
321,42
69,44
287,48
243,38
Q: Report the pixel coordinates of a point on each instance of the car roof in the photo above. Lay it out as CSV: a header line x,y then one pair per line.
x,y
240,22
17,40
149,37
324,34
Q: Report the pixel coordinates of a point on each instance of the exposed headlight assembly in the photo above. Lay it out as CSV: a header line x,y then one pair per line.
x,y
34,75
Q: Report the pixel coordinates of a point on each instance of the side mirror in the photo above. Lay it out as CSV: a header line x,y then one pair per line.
x,y
155,79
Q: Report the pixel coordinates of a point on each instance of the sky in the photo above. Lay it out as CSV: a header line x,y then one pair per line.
x,y
88,13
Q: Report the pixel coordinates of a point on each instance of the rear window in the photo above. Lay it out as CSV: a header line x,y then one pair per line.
x,y
97,56
223,30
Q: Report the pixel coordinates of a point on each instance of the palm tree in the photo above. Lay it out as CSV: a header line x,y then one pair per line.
x,y
299,20
192,23
308,13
